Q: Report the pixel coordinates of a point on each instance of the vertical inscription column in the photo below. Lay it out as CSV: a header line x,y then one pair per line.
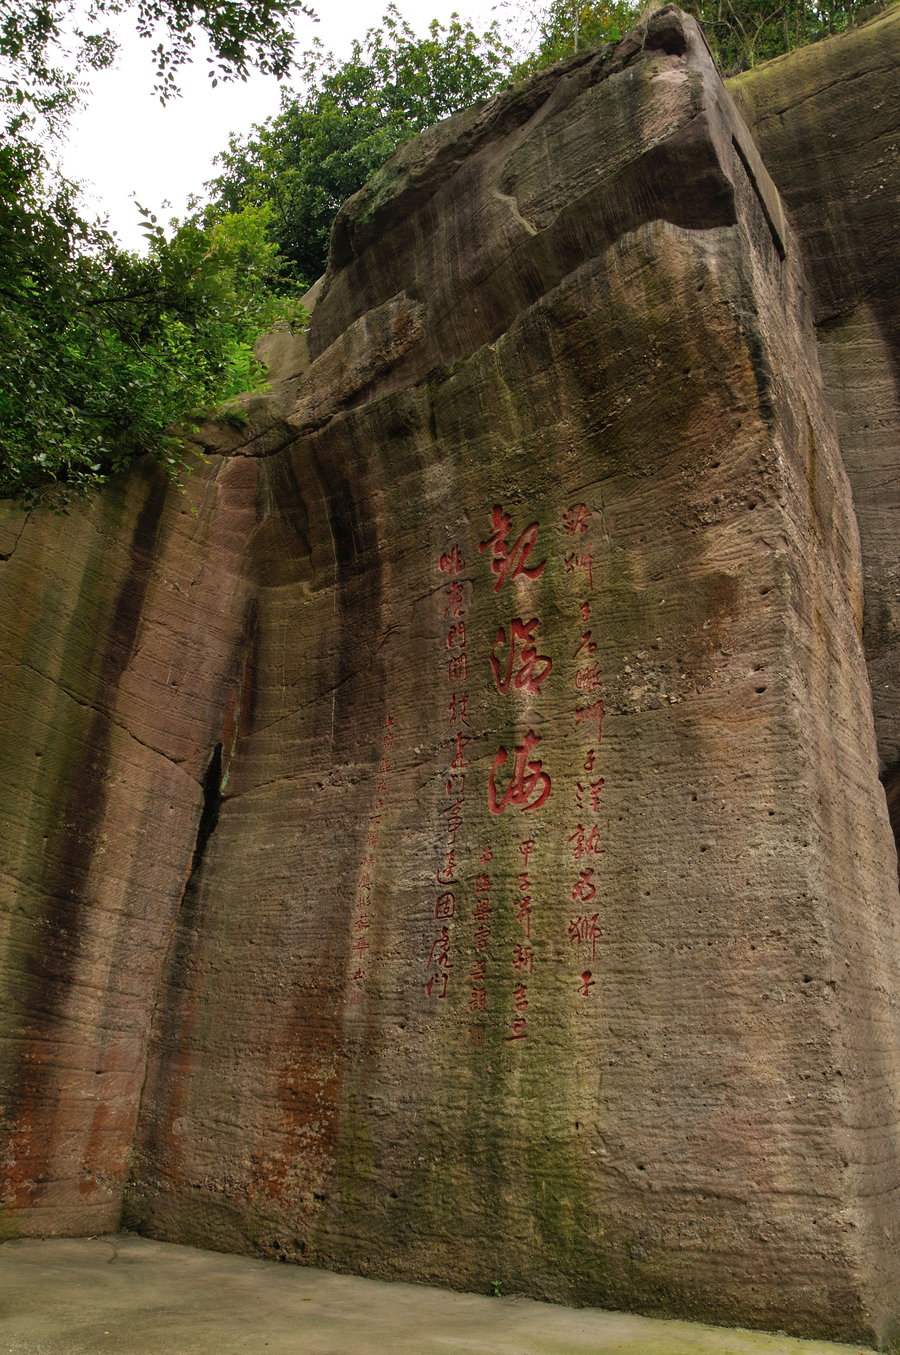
x,y
584,842
517,781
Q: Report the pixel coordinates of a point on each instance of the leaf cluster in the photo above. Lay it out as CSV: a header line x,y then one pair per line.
x,y
350,116
47,45
107,354
563,27
743,33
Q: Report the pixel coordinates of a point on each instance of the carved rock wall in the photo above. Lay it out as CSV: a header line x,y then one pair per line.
x,y
825,120
526,908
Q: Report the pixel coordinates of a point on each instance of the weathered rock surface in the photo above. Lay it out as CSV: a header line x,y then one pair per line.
x,y
826,122
125,628
448,843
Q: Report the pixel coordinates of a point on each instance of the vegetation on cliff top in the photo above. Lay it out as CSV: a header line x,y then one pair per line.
x,y
350,116
106,352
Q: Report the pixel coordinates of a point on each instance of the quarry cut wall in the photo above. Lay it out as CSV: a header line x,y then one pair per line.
x,y
446,842
825,120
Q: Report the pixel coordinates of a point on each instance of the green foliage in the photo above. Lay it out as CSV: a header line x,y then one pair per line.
x,y
326,142
44,44
567,26
105,350
742,33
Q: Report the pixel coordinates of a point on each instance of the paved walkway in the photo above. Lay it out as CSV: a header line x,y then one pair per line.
x,y
125,1295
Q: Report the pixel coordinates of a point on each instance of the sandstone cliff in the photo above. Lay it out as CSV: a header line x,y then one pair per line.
x,y
825,119
447,841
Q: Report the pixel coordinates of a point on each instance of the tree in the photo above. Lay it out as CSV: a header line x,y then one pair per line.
x,y
105,351
326,142
45,44
742,33
564,27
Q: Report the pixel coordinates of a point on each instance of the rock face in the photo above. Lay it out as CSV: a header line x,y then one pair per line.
x,y
447,842
825,119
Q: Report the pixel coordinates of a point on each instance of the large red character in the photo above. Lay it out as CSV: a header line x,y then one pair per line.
x,y
509,561
529,784
532,667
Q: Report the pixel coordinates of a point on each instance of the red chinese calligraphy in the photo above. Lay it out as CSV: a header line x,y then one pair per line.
x,y
525,669
584,931
586,715
447,876
439,955
455,600
459,758
454,820
457,709
589,796
583,890
457,635
445,905
588,679
522,908
523,960
587,644
481,936
586,984
586,843
576,520
452,562
529,785
508,562
437,979
582,560
458,669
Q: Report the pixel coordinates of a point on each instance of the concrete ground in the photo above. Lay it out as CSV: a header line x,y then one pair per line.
x,y
124,1295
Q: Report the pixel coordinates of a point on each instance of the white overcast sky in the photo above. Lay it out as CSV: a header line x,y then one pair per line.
x,y
124,145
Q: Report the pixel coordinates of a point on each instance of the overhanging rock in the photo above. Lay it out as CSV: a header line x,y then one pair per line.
x,y
456,849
